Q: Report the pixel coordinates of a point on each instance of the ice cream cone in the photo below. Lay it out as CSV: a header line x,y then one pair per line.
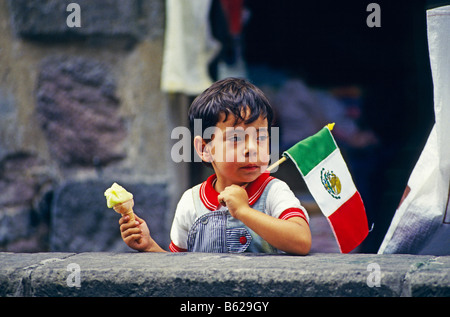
x,y
125,209
121,201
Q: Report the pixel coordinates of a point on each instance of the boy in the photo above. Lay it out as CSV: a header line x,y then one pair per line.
x,y
240,207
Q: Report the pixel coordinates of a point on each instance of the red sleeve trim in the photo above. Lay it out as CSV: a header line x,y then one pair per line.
x,y
174,248
293,212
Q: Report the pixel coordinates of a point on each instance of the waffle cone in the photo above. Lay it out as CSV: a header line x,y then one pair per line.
x,y
126,209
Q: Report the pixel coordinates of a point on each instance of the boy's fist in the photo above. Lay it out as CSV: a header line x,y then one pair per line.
x,y
135,233
235,198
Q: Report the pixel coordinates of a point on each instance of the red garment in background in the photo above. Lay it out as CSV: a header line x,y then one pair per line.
x,y
233,12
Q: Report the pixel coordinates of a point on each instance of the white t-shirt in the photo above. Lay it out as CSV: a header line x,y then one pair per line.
x,y
280,203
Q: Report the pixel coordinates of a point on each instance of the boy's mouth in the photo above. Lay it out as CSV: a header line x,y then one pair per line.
x,y
250,167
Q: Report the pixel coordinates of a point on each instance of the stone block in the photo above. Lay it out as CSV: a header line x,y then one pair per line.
x,y
81,221
222,275
25,182
44,19
15,271
77,107
430,278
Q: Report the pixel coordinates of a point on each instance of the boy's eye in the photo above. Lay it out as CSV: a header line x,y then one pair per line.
x,y
262,138
235,138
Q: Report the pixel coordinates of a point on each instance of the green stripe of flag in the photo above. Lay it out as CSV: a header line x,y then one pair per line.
x,y
311,151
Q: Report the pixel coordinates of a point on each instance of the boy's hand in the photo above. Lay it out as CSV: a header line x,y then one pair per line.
x,y
135,234
235,198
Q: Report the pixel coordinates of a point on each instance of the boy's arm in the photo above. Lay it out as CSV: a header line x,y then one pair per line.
x,y
291,235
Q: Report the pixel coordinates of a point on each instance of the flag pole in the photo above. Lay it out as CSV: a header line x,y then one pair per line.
x,y
271,167
330,126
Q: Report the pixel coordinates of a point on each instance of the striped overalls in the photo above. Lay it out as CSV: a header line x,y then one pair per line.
x,y
218,232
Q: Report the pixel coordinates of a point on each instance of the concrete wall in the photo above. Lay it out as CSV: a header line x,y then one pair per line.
x,y
229,275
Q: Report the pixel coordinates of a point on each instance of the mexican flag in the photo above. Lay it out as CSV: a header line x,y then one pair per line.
x,y
325,172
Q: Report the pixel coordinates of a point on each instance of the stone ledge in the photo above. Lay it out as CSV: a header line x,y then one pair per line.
x,y
203,275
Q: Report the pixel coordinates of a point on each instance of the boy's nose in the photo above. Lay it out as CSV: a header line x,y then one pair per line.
x,y
251,147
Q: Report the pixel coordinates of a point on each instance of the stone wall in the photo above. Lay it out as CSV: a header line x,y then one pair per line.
x,y
80,108
223,275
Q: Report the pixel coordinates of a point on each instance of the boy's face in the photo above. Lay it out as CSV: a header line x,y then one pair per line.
x,y
239,153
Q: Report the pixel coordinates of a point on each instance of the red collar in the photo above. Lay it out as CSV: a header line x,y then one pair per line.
x,y
208,194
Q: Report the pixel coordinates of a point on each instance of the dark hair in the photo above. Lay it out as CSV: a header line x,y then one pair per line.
x,y
230,96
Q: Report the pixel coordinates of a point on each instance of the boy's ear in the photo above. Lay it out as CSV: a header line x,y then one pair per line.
x,y
202,149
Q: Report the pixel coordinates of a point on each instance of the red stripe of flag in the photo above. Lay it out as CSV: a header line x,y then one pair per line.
x,y
349,223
